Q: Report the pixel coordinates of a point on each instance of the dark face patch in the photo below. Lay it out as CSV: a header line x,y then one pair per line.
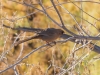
x,y
62,31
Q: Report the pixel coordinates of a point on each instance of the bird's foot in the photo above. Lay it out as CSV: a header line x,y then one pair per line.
x,y
51,43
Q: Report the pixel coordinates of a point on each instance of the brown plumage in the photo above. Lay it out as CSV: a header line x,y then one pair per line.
x,y
48,35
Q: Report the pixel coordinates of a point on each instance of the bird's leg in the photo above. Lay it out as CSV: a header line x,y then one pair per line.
x,y
48,44
51,43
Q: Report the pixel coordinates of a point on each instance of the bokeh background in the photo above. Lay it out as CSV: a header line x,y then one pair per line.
x,y
48,61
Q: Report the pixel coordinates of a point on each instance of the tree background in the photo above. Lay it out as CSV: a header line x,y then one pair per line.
x,y
54,60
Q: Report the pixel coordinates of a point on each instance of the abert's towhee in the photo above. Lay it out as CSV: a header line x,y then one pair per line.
x,y
48,35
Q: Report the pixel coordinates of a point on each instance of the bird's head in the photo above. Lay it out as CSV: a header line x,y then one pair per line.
x,y
60,31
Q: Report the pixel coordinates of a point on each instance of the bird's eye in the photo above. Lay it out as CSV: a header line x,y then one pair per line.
x,y
62,32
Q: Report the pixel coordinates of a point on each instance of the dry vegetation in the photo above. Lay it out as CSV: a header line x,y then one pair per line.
x,y
34,57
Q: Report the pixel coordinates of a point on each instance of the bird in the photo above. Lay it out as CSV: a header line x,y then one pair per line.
x,y
48,35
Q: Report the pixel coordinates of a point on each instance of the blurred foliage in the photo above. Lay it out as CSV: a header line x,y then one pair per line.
x,y
15,15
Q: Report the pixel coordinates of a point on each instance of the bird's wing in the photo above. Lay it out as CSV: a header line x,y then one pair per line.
x,y
43,34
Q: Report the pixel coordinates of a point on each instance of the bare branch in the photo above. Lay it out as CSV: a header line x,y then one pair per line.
x,y
20,60
84,11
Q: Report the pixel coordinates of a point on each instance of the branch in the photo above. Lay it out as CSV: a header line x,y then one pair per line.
x,y
84,11
64,36
23,58
96,48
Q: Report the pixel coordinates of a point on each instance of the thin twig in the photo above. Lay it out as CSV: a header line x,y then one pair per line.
x,y
17,62
84,11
